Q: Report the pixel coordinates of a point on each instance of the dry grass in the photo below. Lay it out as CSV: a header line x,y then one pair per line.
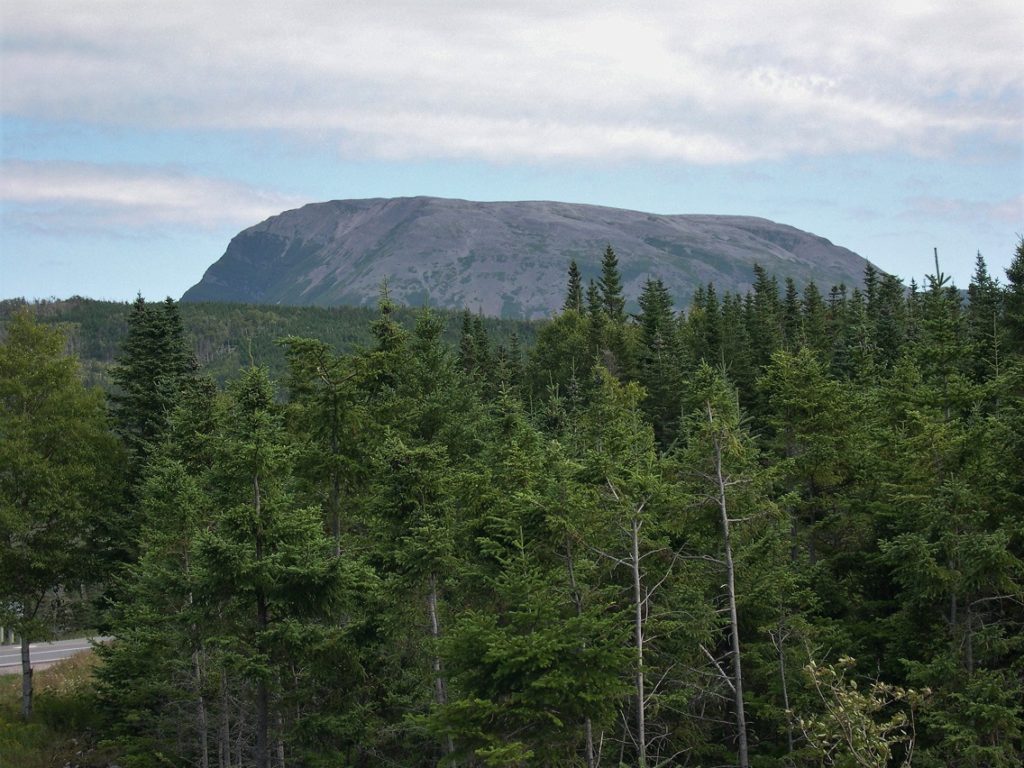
x,y
61,731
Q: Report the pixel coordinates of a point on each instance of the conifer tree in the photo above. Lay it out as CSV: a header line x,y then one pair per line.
x,y
792,320
268,567
1014,299
984,323
720,474
659,364
737,347
574,290
329,424
815,322
535,662
854,354
152,370
613,303
888,316
765,320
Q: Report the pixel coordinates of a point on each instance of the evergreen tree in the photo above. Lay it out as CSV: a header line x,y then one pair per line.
x,y
596,321
765,320
815,322
659,364
329,426
269,571
888,315
720,473
854,354
1014,299
613,303
701,328
574,290
737,347
792,320
151,372
984,323
561,358
952,550
535,663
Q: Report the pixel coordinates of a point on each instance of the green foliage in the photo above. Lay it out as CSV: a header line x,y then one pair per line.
x,y
857,728
423,552
59,470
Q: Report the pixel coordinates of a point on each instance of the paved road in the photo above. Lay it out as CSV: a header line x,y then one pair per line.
x,y
43,654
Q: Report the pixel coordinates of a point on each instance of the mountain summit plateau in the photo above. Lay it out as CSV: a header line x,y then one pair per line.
x,y
503,258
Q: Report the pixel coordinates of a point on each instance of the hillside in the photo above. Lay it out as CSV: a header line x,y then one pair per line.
x,y
505,258
226,336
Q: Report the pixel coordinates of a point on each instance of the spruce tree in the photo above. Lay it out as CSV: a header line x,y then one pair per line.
x,y
659,364
1014,299
792,320
613,303
984,323
152,370
815,322
268,569
574,290
888,316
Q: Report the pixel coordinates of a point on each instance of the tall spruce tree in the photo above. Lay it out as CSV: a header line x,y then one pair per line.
x,y
535,666
151,371
1014,299
573,290
659,366
269,570
613,303
984,323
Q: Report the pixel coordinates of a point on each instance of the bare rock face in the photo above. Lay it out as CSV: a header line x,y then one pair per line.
x,y
503,259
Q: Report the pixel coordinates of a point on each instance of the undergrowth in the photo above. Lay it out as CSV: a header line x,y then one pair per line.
x,y
64,722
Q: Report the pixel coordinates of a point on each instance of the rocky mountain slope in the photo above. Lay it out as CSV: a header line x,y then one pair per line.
x,y
506,259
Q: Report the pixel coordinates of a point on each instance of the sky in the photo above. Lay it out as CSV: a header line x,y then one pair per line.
x,y
137,137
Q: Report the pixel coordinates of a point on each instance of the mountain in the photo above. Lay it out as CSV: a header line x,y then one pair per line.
x,y
505,259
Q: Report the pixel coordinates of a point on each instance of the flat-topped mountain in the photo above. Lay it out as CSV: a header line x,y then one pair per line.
x,y
504,259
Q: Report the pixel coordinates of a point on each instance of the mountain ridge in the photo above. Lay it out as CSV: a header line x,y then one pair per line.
x,y
504,259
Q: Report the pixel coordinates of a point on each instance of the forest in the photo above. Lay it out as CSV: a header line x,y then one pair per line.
x,y
784,528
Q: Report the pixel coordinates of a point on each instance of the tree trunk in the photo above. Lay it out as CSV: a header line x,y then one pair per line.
x,y
785,687
26,679
638,620
201,719
588,726
440,690
262,620
224,737
335,496
335,504
280,742
730,572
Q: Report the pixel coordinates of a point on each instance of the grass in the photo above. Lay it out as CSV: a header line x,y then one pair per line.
x,y
64,719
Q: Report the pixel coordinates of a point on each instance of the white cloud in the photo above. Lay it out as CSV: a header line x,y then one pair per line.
x,y
720,83
1001,213
72,197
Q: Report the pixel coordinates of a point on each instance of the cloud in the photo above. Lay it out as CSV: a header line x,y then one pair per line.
x,y
64,198
512,81
1002,213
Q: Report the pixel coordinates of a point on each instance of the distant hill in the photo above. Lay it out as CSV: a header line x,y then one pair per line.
x,y
503,259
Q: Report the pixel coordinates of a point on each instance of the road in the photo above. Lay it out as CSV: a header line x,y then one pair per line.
x,y
43,654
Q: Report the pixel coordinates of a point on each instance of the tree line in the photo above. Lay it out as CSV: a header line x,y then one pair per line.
x,y
777,529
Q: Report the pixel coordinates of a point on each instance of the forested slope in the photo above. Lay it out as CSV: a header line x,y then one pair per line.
x,y
226,337
776,529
